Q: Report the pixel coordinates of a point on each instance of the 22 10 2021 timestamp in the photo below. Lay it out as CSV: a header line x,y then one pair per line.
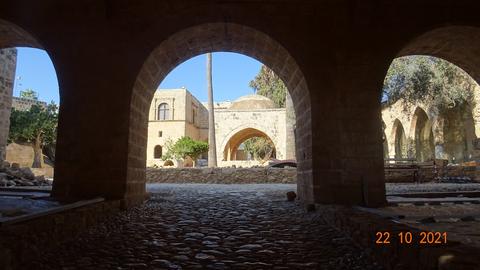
x,y
422,238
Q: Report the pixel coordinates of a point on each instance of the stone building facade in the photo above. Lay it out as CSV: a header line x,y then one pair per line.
x,y
419,131
8,61
176,112
24,104
247,117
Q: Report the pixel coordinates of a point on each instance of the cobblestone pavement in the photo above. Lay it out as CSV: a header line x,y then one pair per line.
x,y
210,227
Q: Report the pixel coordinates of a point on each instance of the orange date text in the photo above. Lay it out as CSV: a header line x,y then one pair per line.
x,y
422,238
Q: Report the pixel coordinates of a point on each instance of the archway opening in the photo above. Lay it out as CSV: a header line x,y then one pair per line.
x,y
430,108
30,106
423,136
29,95
211,38
248,146
157,152
433,91
438,100
400,141
250,101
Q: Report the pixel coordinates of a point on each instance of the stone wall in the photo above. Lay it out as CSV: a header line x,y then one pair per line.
x,y
21,242
24,104
272,122
222,175
178,123
290,128
452,134
20,153
23,155
8,61
239,163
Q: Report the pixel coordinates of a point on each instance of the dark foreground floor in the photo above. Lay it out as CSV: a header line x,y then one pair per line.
x,y
210,227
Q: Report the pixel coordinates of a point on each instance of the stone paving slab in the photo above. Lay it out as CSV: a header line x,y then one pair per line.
x,y
461,221
392,188
363,226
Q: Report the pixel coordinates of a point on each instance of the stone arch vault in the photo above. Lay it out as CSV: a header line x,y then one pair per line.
x,y
110,55
218,37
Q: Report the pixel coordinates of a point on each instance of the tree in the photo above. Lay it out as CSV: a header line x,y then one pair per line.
x,y
260,148
268,84
37,126
416,78
183,148
212,151
29,93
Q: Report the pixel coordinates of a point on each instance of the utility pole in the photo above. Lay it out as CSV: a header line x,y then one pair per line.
x,y
212,146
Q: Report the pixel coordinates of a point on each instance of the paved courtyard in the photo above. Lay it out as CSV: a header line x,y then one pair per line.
x,y
192,226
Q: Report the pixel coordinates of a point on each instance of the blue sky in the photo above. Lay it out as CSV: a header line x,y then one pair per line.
x,y
35,71
231,74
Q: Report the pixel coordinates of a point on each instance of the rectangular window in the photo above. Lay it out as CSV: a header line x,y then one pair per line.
x,y
160,133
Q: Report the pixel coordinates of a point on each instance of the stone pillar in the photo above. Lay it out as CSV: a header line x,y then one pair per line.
x,y
438,128
348,166
476,110
94,137
290,128
8,62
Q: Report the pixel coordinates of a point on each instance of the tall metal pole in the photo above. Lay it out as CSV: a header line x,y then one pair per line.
x,y
212,146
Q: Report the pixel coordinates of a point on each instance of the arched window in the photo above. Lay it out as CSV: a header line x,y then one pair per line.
x,y
157,152
163,112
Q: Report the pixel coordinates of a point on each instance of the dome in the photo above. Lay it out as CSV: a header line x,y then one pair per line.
x,y
252,102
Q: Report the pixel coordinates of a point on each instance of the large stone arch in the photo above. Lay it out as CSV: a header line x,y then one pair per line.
x,y
213,37
12,35
422,136
237,137
399,140
457,44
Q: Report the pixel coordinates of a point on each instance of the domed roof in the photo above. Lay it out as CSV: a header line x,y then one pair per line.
x,y
252,102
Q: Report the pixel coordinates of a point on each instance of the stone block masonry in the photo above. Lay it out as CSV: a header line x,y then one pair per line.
x,y
222,175
8,60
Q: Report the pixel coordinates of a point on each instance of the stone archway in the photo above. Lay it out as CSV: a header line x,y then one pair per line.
x,y
210,38
400,140
233,142
459,134
422,135
11,36
457,44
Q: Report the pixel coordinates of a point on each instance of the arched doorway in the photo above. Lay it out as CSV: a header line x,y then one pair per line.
x,y
236,150
400,140
29,95
423,136
430,75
